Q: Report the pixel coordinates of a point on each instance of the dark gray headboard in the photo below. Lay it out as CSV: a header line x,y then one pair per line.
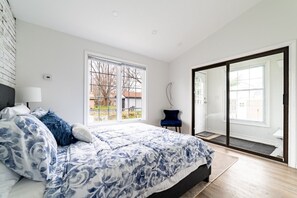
x,y
7,96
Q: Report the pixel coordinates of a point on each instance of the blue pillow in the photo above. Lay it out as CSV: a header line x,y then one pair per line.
x,y
28,148
59,128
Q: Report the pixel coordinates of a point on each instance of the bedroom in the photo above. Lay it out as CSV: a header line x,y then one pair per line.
x,y
48,45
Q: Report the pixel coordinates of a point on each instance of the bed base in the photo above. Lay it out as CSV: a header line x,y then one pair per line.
x,y
200,174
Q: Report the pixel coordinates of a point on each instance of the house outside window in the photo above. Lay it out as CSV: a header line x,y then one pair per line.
x,y
115,90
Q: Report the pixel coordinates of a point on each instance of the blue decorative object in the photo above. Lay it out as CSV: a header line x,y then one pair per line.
x,y
59,128
130,160
171,119
28,148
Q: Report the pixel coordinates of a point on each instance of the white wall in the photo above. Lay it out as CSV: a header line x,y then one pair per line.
x,y
269,23
44,51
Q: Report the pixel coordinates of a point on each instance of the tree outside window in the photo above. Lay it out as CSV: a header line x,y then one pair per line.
x,y
105,94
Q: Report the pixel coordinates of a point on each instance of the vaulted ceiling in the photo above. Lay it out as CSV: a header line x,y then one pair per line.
x,y
161,29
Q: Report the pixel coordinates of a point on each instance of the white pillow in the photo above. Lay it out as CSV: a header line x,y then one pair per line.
x,y
24,188
10,112
8,179
81,132
39,112
28,147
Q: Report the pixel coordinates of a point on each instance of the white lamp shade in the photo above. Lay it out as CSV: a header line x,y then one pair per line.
x,y
30,94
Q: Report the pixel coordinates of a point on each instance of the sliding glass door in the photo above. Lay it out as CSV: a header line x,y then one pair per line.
x,y
243,104
256,105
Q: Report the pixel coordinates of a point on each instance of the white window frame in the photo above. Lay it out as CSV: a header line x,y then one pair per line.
x,y
266,88
119,84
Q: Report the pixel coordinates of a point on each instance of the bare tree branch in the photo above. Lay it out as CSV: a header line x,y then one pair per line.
x,y
103,79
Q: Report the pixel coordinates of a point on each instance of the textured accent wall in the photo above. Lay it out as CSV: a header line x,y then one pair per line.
x,y
7,45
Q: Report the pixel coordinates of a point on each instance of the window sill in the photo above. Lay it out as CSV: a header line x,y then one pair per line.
x,y
250,123
106,123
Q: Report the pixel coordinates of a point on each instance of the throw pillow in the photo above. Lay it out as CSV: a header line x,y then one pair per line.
x,y
81,132
39,112
10,112
59,128
28,148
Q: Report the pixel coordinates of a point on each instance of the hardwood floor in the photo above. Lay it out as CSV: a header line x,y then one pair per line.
x,y
252,177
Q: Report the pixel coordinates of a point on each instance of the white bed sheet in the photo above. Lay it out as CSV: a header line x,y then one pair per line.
x,y
26,188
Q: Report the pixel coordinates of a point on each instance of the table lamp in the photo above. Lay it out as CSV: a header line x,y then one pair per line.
x,y
30,94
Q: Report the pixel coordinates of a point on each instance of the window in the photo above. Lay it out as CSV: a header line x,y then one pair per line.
x,y
131,92
247,94
116,90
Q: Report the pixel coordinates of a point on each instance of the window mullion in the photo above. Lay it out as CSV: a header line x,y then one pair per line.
x,y
119,93
143,98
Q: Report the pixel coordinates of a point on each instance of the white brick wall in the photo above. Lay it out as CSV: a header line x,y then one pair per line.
x,y
7,45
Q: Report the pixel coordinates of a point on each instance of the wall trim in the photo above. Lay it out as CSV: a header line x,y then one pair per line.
x,y
292,147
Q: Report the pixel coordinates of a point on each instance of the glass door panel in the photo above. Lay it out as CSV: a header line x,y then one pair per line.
x,y
256,88
210,104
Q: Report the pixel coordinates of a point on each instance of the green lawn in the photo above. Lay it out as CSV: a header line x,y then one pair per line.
x,y
101,113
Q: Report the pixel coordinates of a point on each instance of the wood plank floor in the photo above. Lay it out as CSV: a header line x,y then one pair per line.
x,y
252,177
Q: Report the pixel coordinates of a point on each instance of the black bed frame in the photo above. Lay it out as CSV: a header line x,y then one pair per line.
x,y
200,174
7,99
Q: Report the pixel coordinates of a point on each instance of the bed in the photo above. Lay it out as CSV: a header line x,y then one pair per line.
x,y
130,160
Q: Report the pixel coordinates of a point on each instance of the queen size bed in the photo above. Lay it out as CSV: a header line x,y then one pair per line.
x,y
129,160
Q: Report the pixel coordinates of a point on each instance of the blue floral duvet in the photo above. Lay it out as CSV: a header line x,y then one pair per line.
x,y
129,160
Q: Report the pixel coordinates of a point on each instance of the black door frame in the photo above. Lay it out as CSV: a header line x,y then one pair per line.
x,y
285,51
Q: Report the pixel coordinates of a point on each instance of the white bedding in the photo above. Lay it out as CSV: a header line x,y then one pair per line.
x,y
26,188
81,168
